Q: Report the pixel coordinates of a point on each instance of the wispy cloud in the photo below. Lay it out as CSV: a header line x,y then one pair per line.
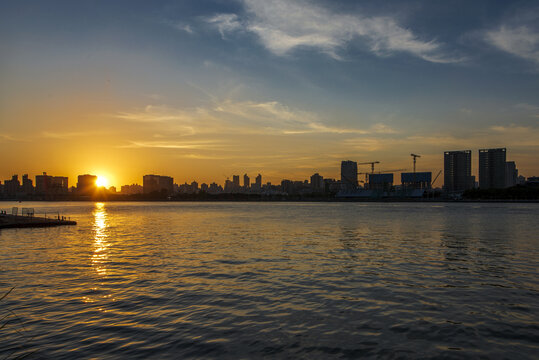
x,y
7,137
532,110
243,117
180,26
154,113
518,35
191,145
513,129
284,25
226,23
187,28
66,135
521,41
526,107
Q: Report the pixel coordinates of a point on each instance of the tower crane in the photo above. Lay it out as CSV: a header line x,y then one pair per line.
x,y
415,156
370,163
436,178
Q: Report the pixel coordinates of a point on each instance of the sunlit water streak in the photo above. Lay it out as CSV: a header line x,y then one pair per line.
x,y
100,257
251,280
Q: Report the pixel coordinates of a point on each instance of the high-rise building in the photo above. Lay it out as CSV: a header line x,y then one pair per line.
x,y
47,184
236,181
511,174
43,183
257,186
12,187
458,171
229,186
246,181
204,187
317,183
86,184
349,175
27,187
492,168
157,183
60,185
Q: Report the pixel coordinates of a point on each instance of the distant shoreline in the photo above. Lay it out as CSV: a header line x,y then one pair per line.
x,y
334,200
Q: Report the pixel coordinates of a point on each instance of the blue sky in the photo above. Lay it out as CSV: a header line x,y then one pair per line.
x,y
204,89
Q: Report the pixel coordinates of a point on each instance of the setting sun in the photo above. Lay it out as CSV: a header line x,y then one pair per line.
x,y
101,181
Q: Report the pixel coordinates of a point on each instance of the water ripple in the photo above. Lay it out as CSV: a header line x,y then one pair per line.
x,y
285,280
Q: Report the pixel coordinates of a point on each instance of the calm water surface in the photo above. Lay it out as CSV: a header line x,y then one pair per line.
x,y
275,280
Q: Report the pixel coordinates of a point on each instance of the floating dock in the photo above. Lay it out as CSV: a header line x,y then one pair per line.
x,y
17,221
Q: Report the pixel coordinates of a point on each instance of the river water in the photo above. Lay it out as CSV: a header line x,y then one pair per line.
x,y
275,280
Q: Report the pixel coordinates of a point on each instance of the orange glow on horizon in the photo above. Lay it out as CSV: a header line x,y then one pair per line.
x,y
101,181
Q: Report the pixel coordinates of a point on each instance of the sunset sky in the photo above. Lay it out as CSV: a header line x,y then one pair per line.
x,y
200,90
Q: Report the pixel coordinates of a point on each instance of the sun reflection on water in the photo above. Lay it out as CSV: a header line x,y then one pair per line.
x,y
101,245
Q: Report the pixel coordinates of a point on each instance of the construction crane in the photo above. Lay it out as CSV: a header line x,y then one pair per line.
x,y
435,178
371,163
415,156
390,171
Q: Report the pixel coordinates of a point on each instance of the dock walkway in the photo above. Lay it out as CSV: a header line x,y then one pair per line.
x,y
17,221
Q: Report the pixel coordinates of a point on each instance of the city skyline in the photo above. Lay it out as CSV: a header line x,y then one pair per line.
x,y
285,87
494,170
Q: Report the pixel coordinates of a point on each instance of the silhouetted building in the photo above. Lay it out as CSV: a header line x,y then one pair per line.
x,y
492,168
511,174
349,175
331,186
258,182
43,183
380,182
12,187
157,183
236,182
229,186
48,185
532,180
215,188
246,181
317,183
86,184
131,189
287,186
458,171
27,187
417,180
204,187
60,184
